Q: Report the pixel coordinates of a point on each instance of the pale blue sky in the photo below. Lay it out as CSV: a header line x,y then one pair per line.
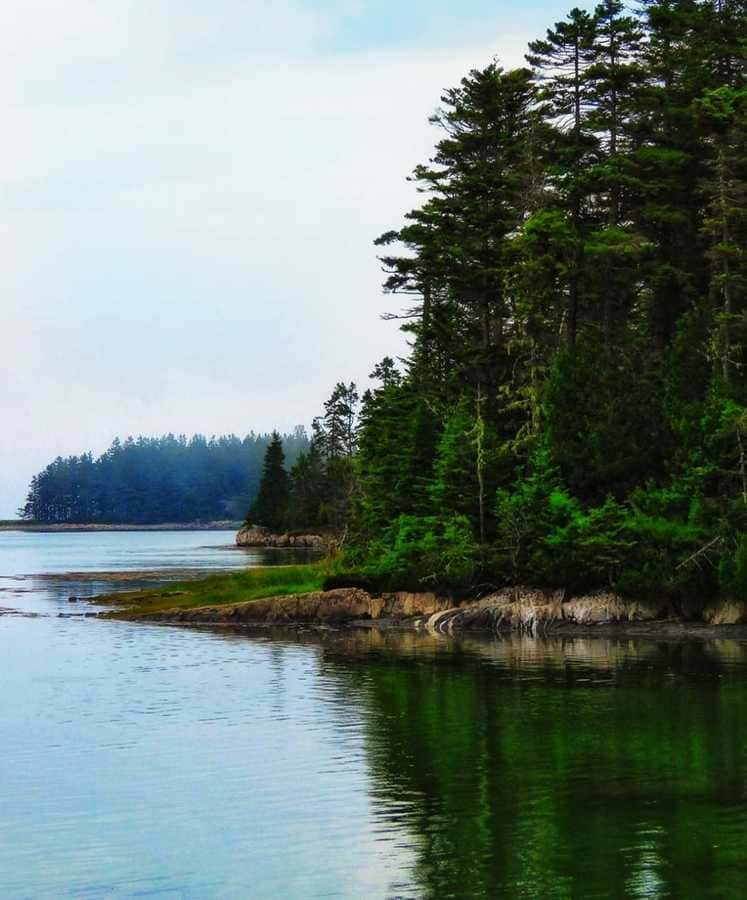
x,y
189,191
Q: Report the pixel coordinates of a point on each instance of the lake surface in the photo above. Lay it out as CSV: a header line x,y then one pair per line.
x,y
149,761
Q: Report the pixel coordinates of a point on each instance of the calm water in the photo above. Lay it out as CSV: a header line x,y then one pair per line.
x,y
143,761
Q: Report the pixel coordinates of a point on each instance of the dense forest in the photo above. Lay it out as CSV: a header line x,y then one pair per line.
x,y
317,490
152,480
573,408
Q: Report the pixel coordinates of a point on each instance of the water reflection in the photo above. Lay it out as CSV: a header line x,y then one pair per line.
x,y
530,768
141,760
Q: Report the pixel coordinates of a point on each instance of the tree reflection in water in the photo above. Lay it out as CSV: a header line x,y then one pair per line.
x,y
546,768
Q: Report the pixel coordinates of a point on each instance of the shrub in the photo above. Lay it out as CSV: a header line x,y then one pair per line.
x,y
428,552
644,547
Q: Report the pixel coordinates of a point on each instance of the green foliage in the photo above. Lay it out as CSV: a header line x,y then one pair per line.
x,y
546,537
321,484
425,552
527,514
232,587
307,490
156,480
591,549
604,424
643,547
573,411
580,276
454,490
397,438
270,507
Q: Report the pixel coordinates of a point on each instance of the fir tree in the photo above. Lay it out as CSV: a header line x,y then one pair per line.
x,y
560,63
270,507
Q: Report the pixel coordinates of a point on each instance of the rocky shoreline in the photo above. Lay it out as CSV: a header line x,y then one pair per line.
x,y
257,536
512,610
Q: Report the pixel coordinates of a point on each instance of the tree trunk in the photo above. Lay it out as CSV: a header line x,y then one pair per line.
x,y
726,298
480,462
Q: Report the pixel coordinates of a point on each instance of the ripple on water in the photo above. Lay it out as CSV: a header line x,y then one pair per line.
x,y
143,760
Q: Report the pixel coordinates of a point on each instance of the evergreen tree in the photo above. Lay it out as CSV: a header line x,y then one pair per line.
x,y
156,480
335,431
397,439
577,316
270,507
723,115
307,490
663,169
480,184
560,63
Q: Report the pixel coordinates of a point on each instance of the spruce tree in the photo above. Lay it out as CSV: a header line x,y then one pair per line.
x,y
270,507
560,63
465,468
480,183
723,115
576,293
307,489
398,435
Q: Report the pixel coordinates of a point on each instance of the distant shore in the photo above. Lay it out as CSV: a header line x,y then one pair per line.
x,y
227,525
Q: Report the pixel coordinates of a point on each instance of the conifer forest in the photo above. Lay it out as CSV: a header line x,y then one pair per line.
x,y
573,409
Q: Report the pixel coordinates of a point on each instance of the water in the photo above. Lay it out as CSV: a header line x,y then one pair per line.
x,y
143,761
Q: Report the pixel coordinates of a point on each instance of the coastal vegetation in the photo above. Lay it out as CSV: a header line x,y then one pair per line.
x,y
318,490
573,409
220,589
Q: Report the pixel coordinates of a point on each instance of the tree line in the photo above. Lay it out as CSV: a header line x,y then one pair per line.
x,y
315,492
572,411
151,480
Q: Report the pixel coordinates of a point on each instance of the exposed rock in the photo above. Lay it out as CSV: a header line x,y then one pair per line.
x,y
258,536
725,613
336,607
519,610
530,610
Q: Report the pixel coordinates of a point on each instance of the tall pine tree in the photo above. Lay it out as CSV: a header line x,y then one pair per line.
x,y
270,507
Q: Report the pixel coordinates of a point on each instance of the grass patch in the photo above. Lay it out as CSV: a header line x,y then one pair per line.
x,y
219,590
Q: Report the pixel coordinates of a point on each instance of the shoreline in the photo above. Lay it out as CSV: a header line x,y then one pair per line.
x,y
507,612
96,526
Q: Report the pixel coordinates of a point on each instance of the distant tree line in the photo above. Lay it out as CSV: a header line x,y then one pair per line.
x,y
150,480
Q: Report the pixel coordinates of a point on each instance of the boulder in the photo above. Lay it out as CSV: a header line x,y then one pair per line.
x,y
259,536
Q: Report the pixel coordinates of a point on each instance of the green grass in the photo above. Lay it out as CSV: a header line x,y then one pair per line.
x,y
218,590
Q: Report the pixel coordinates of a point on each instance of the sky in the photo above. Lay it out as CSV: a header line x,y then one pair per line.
x,y
189,194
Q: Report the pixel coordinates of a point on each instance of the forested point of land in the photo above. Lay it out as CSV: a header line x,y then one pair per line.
x,y
152,480
572,411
